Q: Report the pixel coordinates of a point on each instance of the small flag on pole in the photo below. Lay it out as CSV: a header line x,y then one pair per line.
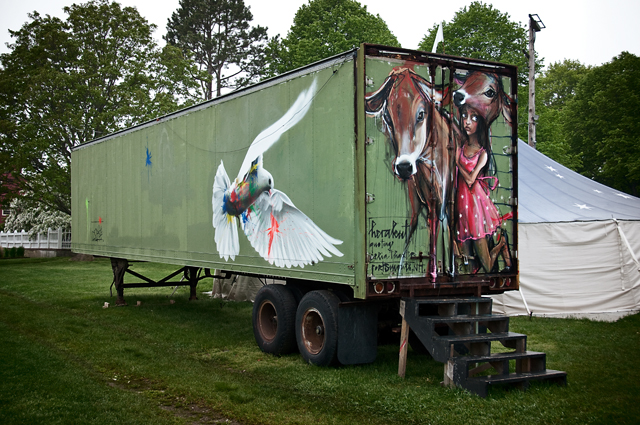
x,y
439,38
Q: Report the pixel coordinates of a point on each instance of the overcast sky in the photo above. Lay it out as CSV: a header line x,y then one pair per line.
x,y
590,31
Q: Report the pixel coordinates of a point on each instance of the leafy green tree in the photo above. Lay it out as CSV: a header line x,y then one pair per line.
x,y
481,31
217,35
67,82
323,28
554,89
602,125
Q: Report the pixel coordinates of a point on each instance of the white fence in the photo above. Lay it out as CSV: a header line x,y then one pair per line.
x,y
52,239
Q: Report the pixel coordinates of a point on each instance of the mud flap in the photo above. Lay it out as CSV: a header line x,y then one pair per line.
x,y
357,333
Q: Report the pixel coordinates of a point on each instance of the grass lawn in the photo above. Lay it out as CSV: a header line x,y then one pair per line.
x,y
65,359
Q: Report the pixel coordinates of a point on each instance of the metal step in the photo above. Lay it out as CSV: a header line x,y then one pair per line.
x,y
445,300
465,317
494,357
488,337
450,306
466,324
480,385
459,368
447,346
470,319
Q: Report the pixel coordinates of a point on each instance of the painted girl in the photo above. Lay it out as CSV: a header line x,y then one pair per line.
x,y
477,217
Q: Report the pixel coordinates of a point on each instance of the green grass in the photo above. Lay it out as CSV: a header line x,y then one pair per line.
x,y
65,359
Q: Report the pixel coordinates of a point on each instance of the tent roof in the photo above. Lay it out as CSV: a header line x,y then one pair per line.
x,y
550,192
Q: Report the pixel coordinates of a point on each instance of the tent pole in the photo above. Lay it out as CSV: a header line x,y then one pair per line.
x,y
524,301
626,243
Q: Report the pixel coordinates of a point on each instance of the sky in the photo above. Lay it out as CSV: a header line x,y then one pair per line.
x,y
592,32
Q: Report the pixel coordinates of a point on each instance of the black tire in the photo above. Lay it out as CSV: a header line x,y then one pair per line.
x,y
317,328
274,314
297,293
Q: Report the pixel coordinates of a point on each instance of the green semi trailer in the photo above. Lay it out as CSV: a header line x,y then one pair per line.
x,y
367,181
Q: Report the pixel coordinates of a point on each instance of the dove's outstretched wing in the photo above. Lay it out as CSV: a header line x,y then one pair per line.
x,y
272,134
225,225
283,235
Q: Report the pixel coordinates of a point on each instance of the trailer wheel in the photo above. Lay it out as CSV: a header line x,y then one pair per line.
x,y
317,327
274,313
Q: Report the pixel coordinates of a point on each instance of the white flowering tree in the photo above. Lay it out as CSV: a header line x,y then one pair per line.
x,y
34,219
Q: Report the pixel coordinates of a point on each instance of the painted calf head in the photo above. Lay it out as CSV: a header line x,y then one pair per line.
x,y
484,93
419,134
404,102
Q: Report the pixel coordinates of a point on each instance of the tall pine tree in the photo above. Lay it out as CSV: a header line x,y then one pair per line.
x,y
219,38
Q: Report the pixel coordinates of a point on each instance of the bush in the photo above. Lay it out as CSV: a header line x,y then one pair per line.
x,y
12,252
20,252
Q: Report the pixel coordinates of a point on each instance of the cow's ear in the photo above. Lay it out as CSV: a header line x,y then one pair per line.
x,y
460,79
507,103
424,87
374,102
442,97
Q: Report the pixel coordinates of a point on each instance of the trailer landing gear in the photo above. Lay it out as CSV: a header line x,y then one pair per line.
x,y
191,277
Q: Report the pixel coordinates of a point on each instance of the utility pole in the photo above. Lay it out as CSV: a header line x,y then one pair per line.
x,y
535,25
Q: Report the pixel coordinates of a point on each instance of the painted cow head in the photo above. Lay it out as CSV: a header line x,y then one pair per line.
x,y
404,102
484,93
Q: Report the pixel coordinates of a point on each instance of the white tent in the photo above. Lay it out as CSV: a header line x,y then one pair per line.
x,y
578,245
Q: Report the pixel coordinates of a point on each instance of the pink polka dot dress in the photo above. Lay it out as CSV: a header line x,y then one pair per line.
x,y
477,216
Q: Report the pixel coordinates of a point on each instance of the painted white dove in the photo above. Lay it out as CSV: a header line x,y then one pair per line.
x,y
281,233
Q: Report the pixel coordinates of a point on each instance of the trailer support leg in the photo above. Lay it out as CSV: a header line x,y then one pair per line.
x,y
404,339
190,277
119,267
193,282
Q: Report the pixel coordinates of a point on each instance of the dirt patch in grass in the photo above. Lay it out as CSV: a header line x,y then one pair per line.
x,y
179,406
198,415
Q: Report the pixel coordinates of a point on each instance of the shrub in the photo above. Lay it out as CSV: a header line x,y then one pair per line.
x,y
20,252
12,252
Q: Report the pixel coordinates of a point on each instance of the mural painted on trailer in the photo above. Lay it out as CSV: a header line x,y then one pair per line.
x,y
440,140
278,231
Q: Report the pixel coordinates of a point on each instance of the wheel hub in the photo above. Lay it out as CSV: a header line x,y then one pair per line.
x,y
313,331
267,321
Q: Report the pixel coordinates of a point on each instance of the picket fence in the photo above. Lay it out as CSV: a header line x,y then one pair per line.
x,y
52,239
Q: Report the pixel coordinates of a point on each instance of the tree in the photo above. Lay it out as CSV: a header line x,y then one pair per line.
x,y
38,219
480,31
602,126
554,89
67,82
217,35
323,28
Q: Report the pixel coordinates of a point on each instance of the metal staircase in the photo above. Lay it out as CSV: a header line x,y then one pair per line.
x,y
459,331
